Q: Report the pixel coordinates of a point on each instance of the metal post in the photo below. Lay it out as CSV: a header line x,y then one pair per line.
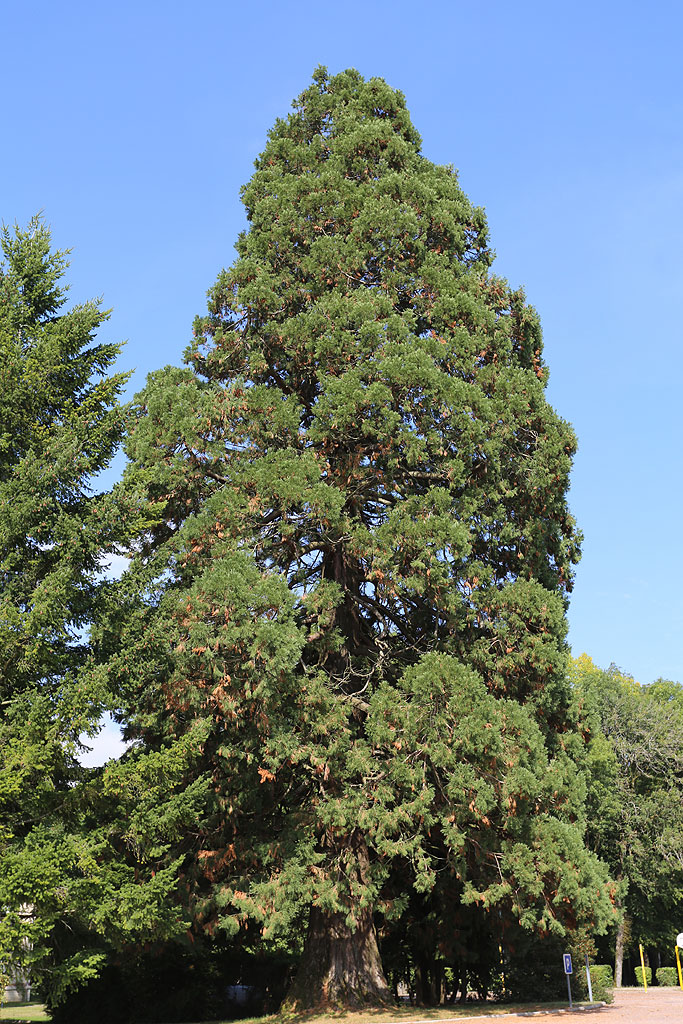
x,y
502,966
569,990
588,979
642,964
678,964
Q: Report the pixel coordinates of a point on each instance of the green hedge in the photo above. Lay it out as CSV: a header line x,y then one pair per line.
x,y
639,975
667,976
602,983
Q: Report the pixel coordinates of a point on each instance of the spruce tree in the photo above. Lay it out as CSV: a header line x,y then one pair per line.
x,y
348,605
60,424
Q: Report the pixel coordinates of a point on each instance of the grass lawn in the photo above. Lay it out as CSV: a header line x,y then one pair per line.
x,y
401,1014
13,1013
18,1014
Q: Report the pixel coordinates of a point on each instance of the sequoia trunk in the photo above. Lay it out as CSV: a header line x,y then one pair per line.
x,y
341,965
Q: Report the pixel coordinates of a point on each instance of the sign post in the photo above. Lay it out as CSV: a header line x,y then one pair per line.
x,y
679,946
567,959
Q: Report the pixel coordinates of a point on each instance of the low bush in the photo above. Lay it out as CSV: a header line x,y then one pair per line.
x,y
602,983
539,977
639,975
175,983
667,976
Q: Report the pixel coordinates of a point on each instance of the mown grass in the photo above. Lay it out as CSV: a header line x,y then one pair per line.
x,y
400,1014
13,1014
17,1014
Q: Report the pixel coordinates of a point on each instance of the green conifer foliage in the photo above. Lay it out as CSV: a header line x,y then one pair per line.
x,y
59,426
358,565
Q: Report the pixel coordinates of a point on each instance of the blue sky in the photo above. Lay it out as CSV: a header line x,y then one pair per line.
x,y
133,126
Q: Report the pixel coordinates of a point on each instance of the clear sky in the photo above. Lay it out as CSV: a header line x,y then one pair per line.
x,y
133,126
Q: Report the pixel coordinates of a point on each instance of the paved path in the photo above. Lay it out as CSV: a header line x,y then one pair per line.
x,y
635,1006
630,1006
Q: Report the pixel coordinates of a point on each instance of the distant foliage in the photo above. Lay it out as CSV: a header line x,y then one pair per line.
x,y
634,771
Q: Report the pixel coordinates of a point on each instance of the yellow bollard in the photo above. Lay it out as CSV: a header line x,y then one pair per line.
x,y
678,964
642,961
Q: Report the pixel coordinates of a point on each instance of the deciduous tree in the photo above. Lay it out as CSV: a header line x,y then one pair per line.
x,y
635,780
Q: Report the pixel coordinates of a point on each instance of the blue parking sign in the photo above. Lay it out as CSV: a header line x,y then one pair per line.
x,y
567,957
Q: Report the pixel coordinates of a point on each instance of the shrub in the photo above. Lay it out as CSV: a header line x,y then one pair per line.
x,y
667,976
538,975
143,989
639,975
602,983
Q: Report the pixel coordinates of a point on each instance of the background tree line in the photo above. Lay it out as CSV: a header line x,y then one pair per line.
x,y
359,754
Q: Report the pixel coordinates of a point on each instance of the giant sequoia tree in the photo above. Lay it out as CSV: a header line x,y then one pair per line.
x,y
346,613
